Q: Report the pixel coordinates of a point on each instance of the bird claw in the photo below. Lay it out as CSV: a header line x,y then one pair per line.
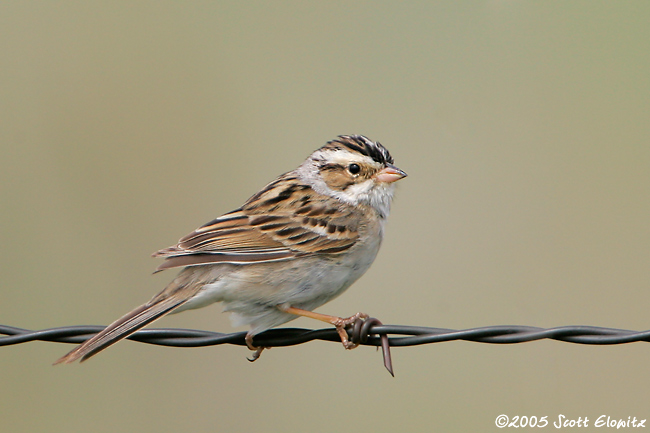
x,y
256,354
257,350
342,323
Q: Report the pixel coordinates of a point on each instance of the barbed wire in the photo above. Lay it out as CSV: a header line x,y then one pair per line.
x,y
369,333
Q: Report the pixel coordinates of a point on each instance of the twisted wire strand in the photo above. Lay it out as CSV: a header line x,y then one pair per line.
x,y
369,332
368,335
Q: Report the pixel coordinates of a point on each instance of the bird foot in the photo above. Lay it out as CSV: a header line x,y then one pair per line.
x,y
257,350
341,324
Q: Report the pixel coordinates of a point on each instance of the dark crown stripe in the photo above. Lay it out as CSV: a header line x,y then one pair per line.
x,y
364,146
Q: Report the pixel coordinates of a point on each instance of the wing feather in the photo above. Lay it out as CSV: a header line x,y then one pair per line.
x,y
283,221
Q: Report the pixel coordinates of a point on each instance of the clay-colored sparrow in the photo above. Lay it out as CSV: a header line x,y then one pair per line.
x,y
295,245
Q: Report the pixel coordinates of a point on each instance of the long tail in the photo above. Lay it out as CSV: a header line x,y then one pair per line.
x,y
183,288
120,329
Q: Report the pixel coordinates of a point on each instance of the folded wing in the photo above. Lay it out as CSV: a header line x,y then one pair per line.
x,y
258,232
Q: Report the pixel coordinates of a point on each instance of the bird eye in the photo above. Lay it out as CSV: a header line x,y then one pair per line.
x,y
354,168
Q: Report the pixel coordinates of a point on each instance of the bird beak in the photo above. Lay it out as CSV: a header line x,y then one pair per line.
x,y
390,174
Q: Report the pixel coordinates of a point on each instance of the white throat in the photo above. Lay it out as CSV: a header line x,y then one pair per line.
x,y
376,195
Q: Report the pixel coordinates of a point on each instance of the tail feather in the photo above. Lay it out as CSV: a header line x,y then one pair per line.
x,y
186,284
122,328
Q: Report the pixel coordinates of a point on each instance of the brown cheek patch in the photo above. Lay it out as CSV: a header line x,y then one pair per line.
x,y
337,179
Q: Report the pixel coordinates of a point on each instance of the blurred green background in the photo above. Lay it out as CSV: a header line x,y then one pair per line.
x,y
524,128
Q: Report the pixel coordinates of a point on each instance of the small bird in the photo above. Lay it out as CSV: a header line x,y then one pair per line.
x,y
295,245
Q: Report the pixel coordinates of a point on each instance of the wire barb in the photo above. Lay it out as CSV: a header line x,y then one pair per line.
x,y
360,332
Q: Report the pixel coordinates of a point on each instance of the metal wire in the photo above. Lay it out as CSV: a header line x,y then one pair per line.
x,y
369,332
414,335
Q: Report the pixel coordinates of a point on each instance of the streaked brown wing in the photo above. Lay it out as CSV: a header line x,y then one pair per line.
x,y
273,225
